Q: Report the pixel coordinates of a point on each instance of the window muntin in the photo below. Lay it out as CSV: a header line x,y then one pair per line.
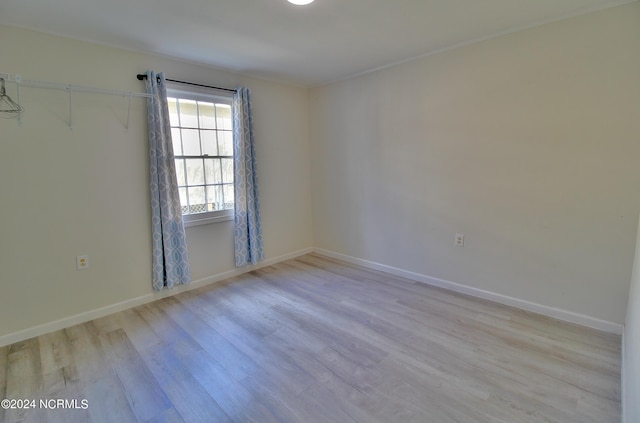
x,y
202,134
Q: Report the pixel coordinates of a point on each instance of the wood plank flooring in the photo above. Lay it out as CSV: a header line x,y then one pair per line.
x,y
317,340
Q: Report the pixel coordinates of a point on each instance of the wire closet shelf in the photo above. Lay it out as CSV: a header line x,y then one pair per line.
x,y
14,109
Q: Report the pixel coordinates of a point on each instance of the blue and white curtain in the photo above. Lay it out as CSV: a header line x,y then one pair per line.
x,y
170,258
248,231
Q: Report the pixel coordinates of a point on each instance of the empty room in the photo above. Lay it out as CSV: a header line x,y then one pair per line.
x,y
320,211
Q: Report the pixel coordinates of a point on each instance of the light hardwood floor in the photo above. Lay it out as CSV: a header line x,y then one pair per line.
x,y
318,340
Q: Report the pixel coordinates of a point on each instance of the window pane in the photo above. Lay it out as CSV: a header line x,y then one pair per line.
x,y
196,200
209,144
175,138
223,114
180,174
173,111
214,194
183,200
225,140
203,130
207,115
212,171
195,174
191,142
227,170
188,113
211,201
228,196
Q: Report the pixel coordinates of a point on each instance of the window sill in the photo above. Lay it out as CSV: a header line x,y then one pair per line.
x,y
195,220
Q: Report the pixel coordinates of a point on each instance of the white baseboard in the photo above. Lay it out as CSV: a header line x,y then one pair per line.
x,y
134,302
556,313
622,383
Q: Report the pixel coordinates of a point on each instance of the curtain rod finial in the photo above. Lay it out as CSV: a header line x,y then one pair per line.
x,y
141,76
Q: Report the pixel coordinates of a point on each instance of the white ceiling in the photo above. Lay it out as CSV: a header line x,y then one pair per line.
x,y
325,41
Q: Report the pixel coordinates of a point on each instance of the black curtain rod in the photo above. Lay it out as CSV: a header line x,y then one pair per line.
x,y
142,77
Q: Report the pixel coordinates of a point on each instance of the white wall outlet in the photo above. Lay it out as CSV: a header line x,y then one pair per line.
x,y
459,240
82,262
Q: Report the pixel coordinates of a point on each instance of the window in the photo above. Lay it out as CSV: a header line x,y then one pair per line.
x,y
202,134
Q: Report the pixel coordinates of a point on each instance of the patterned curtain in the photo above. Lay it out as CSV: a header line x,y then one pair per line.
x,y
170,258
248,231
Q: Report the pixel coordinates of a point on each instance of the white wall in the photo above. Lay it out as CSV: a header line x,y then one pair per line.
x,y
526,143
631,352
65,193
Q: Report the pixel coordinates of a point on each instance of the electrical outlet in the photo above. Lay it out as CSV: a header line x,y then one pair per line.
x,y
82,262
459,242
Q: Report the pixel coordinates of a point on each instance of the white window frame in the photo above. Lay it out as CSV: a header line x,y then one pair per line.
x,y
205,218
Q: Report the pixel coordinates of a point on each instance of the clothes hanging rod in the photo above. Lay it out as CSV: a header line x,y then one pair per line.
x,y
69,87
142,77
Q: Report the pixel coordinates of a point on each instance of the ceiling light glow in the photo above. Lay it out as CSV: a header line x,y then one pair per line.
x,y
300,2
